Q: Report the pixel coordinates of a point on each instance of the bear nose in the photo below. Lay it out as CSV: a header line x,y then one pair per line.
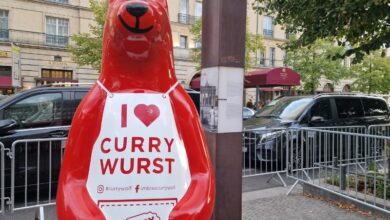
x,y
137,9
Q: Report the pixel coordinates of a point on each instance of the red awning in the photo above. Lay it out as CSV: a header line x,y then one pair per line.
x,y
270,77
5,82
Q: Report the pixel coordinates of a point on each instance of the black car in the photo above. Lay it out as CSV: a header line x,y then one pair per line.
x,y
39,113
264,133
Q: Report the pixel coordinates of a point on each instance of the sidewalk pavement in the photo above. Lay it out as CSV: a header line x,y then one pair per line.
x,y
273,204
262,199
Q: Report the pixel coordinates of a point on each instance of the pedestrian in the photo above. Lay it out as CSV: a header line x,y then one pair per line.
x,y
249,104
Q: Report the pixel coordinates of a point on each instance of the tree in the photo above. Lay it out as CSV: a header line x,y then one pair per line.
x,y
364,24
316,61
253,44
372,74
87,48
196,31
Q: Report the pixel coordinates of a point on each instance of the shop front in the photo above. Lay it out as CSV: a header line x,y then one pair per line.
x,y
271,83
50,76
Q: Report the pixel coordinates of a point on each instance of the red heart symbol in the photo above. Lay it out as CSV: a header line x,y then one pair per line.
x,y
147,113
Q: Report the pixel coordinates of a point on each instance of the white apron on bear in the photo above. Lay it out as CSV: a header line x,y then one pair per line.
x,y
139,167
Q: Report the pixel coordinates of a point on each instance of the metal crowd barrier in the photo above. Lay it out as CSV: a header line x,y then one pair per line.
x,y
264,152
2,190
35,168
352,165
380,130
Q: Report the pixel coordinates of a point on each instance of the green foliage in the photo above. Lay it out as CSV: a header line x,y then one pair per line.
x,y
362,23
372,74
333,180
196,31
253,44
380,190
315,61
87,48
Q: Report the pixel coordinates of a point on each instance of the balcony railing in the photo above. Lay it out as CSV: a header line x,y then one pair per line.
x,y
34,38
271,63
57,40
187,19
268,33
60,1
4,34
182,53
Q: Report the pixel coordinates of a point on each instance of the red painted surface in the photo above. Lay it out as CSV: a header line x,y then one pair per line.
x,y
135,63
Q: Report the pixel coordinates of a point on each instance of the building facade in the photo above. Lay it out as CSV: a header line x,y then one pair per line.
x,y
34,35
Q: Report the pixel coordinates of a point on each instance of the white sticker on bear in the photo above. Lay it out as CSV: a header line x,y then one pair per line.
x,y
139,167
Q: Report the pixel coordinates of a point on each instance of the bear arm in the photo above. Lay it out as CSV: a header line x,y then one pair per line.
x,y
198,201
79,205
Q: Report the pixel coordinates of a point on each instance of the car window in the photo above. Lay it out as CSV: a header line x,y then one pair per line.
x,y
349,107
288,108
322,109
374,107
71,106
36,111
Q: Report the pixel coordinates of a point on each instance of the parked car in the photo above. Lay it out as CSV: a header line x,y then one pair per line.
x,y
247,113
263,131
40,113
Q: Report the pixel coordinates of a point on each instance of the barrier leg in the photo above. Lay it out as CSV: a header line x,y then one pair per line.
x,y
292,187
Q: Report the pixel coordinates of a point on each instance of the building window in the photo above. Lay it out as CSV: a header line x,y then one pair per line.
x,y
262,58
198,9
57,31
285,58
58,58
4,25
60,1
268,29
198,44
272,56
183,41
55,76
184,6
184,17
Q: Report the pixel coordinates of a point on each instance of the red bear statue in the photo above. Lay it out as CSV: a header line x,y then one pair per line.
x,y
136,149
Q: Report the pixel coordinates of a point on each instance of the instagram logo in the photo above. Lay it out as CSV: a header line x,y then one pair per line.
x,y
137,189
100,189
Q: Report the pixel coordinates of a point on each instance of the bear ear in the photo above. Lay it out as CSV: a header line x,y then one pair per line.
x,y
164,3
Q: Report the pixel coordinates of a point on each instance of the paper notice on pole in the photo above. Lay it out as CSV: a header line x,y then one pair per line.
x,y
231,85
209,99
221,99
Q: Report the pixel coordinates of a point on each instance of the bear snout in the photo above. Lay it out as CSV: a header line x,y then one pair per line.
x,y
137,9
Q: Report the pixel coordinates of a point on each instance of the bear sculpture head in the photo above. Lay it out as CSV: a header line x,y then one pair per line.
x,y
137,50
